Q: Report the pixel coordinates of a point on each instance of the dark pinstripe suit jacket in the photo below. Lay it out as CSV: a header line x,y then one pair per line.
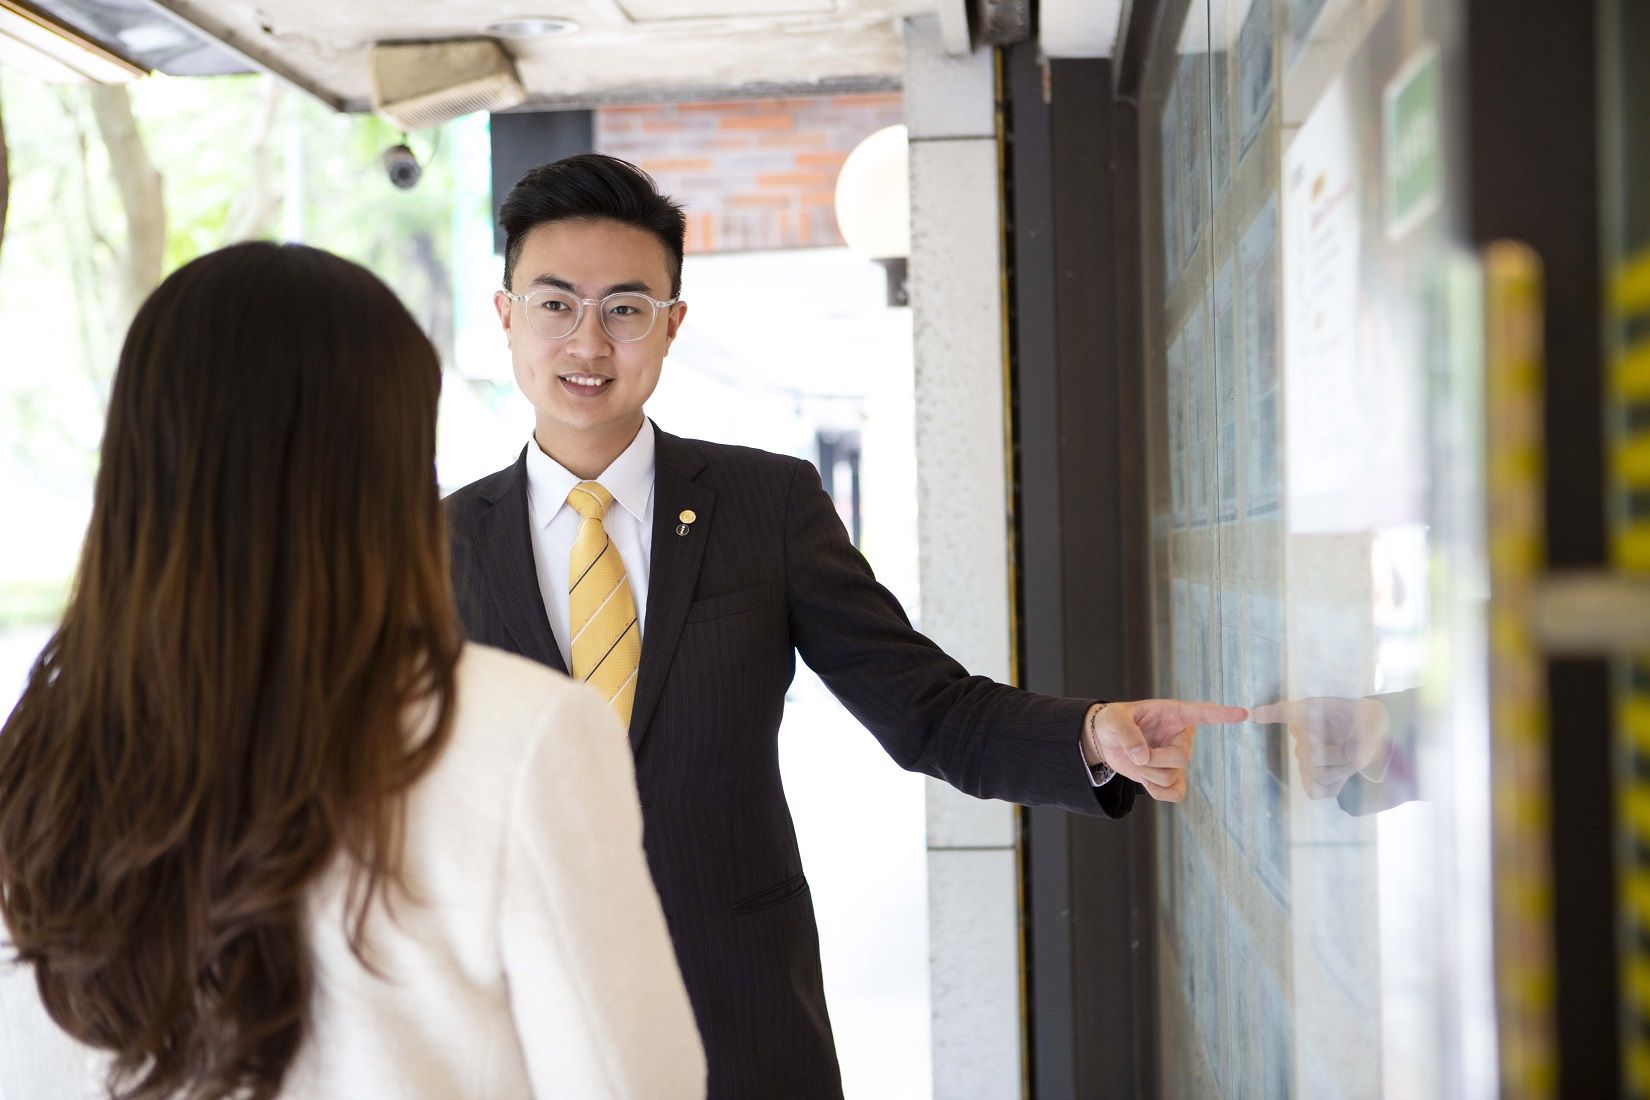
x,y
765,572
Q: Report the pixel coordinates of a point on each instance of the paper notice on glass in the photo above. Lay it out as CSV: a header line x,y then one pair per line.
x,y
1352,420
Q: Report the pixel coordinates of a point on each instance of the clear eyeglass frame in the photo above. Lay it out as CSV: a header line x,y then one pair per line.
x,y
534,318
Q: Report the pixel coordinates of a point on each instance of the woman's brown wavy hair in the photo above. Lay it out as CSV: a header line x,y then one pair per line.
x,y
262,606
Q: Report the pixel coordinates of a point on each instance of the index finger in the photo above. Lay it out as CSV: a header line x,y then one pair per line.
x,y
1286,710
1207,714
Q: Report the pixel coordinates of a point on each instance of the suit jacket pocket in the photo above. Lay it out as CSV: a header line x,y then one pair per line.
x,y
771,896
732,603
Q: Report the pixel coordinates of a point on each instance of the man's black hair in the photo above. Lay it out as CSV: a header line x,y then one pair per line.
x,y
590,187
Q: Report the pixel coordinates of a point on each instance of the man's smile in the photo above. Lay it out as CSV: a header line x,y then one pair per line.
x,y
584,384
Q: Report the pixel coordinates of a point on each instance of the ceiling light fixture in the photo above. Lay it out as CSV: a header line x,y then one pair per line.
x,y
536,26
50,51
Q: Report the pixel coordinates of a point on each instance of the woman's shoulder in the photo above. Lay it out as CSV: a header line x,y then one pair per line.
x,y
515,699
499,687
486,664
516,722
519,726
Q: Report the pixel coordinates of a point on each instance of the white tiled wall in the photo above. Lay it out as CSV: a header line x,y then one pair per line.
x,y
964,532
974,929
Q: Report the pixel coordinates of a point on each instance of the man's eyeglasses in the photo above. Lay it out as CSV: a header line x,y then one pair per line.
x,y
626,316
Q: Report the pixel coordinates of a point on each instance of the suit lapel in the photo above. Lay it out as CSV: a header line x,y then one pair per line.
x,y
507,562
673,572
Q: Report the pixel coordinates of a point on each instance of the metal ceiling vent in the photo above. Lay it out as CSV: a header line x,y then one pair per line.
x,y
416,85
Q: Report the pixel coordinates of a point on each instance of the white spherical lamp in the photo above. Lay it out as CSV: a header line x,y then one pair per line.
x,y
873,204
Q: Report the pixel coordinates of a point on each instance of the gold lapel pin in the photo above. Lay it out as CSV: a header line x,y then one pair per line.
x,y
687,516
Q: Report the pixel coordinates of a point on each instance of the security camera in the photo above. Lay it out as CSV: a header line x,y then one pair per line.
x,y
402,167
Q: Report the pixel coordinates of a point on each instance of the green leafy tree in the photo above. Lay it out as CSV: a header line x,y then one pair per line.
x,y
110,188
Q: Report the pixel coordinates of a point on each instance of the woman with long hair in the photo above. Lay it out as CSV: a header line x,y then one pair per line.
x,y
267,826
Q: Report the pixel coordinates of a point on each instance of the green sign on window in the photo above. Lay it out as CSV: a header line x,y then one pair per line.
x,y
1414,144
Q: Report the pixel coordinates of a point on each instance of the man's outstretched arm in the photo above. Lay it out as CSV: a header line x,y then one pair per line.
x,y
985,738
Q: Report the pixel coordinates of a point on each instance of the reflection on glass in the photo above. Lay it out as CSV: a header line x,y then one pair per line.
x,y
1254,74
1359,752
1321,905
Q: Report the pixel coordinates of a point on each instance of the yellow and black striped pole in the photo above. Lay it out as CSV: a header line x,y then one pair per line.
x,y
1628,417
1525,985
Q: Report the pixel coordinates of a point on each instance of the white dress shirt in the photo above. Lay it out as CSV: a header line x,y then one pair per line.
x,y
530,957
555,525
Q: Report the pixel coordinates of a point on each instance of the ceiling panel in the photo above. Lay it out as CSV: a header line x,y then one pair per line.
x,y
626,50
645,10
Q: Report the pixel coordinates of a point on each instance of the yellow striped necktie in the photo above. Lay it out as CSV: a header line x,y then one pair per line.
x,y
606,637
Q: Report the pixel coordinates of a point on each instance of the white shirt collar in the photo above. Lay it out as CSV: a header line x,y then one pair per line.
x,y
629,478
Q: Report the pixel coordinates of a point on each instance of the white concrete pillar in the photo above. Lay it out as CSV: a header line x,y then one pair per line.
x,y
964,538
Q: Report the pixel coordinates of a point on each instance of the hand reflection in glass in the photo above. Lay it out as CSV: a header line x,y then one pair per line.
x,y
1335,739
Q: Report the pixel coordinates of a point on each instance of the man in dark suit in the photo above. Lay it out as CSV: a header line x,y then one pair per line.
x,y
681,578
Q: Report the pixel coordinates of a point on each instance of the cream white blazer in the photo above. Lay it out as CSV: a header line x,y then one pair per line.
x,y
530,958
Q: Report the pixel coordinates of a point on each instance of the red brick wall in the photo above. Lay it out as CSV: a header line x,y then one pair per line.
x,y
752,174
